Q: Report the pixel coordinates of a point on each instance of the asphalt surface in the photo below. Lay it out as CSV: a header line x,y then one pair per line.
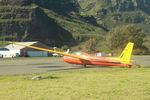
x,y
17,66
35,65
142,60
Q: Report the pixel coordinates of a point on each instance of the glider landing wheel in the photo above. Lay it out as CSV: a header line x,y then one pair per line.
x,y
129,66
84,66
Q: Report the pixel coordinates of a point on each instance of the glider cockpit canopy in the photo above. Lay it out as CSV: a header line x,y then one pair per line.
x,y
77,53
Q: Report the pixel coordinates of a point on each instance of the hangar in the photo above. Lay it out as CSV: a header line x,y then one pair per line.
x,y
28,52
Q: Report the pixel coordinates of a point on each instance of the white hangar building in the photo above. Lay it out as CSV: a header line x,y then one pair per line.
x,y
28,52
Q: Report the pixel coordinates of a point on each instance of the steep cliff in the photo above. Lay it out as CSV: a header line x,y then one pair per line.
x,y
52,22
60,22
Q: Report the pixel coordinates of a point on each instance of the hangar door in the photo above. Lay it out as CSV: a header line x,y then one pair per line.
x,y
37,53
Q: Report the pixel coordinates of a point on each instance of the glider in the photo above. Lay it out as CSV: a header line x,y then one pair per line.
x,y
83,58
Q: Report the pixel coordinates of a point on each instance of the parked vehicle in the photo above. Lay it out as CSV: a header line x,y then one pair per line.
x,y
6,53
100,54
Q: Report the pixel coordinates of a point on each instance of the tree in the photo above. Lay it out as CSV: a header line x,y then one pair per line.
x,y
114,38
90,45
65,47
119,37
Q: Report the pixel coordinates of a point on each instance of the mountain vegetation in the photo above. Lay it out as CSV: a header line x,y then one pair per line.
x,y
118,37
73,22
118,12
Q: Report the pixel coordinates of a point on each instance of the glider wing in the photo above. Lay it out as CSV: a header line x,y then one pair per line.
x,y
43,49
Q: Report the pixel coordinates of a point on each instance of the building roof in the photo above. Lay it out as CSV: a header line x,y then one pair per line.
x,y
18,47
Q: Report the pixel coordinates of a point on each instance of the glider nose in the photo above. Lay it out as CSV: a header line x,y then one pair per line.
x,y
65,58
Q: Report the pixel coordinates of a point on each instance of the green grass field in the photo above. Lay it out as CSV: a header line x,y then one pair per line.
x,y
91,84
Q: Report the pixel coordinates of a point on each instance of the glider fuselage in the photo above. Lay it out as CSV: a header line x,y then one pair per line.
x,y
94,60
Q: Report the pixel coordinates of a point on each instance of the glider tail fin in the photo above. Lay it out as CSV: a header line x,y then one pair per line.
x,y
126,54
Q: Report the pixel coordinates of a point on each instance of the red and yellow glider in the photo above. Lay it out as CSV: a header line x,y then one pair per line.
x,y
82,58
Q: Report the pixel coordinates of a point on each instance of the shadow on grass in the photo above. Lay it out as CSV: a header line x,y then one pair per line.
x,y
51,77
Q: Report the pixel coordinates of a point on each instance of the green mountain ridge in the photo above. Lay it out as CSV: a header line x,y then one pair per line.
x,y
69,22
117,12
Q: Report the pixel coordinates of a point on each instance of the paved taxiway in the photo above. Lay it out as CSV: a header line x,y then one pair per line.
x,y
40,65
17,66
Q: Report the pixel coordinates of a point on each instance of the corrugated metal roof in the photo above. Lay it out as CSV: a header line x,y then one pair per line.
x,y
17,47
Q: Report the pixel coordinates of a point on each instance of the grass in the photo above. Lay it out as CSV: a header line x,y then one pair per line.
x,y
93,84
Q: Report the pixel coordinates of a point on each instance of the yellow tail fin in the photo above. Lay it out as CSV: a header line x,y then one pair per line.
x,y
126,54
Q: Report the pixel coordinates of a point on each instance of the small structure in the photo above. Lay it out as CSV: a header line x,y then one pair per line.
x,y
29,52
100,54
